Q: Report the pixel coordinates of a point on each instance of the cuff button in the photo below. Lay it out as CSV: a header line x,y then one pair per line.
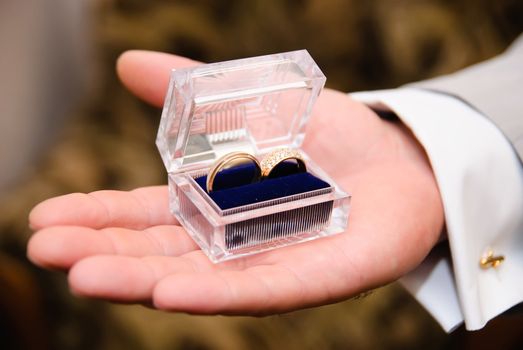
x,y
489,260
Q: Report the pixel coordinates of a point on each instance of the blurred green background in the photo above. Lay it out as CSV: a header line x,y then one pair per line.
x,y
107,141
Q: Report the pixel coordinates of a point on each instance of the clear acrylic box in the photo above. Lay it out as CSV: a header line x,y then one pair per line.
x,y
253,105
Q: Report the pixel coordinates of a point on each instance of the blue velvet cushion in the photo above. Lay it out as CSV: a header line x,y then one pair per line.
x,y
232,187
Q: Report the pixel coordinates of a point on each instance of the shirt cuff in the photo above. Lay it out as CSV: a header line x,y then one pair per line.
x,y
476,169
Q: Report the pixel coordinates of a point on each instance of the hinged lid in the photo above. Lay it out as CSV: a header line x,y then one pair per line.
x,y
252,104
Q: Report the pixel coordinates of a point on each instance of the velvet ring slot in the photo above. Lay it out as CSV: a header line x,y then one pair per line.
x,y
289,185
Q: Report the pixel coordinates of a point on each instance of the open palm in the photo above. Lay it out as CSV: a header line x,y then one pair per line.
x,y
127,247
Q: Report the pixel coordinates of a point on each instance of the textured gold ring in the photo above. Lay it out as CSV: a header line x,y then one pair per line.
x,y
228,161
271,160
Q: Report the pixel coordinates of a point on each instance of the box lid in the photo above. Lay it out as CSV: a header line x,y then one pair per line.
x,y
252,104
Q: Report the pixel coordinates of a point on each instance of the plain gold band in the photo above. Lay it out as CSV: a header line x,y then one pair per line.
x,y
222,162
271,160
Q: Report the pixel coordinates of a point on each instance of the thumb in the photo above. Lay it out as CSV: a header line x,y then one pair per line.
x,y
146,73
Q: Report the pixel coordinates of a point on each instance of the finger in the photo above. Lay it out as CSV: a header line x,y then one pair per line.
x,y
129,279
258,290
61,247
146,73
137,209
305,275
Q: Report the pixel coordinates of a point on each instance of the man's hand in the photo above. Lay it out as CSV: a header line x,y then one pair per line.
x,y
126,246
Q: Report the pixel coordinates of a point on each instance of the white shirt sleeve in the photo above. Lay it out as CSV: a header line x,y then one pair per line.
x,y
480,179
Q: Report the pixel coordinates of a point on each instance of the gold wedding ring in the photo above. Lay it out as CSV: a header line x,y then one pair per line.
x,y
228,161
271,160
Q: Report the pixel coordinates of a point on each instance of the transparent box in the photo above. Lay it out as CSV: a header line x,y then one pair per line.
x,y
252,105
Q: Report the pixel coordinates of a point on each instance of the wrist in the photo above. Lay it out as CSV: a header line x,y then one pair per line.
x,y
417,167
